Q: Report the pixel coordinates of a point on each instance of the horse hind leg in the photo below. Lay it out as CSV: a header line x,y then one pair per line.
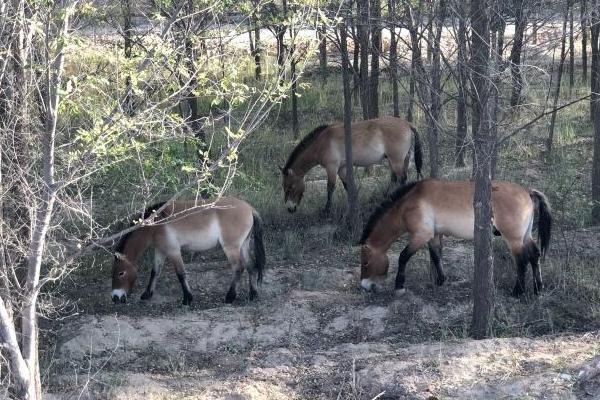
x,y
435,255
237,267
534,258
247,260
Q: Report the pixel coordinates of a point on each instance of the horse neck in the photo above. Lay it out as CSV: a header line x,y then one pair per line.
x,y
138,243
305,161
388,229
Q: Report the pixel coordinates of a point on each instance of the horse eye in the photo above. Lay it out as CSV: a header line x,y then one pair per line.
x,y
122,273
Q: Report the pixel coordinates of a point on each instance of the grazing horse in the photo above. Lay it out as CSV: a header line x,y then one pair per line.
x,y
372,141
428,209
230,222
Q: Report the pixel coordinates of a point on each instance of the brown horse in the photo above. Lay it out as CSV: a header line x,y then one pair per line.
x,y
372,141
428,209
230,222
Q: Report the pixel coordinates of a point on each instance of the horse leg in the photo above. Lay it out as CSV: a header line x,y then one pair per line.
x,y
234,258
415,243
398,171
342,174
521,259
182,276
159,259
534,257
331,177
248,262
435,255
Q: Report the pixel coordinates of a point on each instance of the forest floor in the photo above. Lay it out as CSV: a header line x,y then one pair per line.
x,y
314,334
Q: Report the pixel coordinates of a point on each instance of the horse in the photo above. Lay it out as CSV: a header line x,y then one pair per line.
x,y
229,222
430,208
372,141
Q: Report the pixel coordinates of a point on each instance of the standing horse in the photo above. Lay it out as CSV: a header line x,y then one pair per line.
x,y
428,209
230,222
372,141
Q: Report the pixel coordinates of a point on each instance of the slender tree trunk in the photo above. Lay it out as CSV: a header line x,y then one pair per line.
x,y
584,37
255,45
498,26
295,127
363,37
515,55
463,78
571,50
356,60
375,25
128,49
557,84
483,280
595,104
436,88
352,213
394,57
322,36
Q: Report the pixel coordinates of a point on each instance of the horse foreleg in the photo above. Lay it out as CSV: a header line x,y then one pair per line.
x,y
435,255
331,178
159,259
182,276
415,243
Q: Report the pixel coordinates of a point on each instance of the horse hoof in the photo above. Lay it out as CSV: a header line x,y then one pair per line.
x,y
230,297
187,300
253,294
400,292
146,295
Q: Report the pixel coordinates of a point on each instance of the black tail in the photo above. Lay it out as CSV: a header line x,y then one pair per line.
x,y
259,247
418,152
544,220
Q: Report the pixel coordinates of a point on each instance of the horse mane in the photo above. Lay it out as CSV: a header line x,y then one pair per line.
x,y
303,145
146,214
383,208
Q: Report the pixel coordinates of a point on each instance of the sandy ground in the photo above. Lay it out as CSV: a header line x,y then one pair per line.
x,y
314,334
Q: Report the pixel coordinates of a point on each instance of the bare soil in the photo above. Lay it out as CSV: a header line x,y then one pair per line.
x,y
314,334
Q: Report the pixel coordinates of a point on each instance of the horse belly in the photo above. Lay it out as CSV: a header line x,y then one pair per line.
x,y
368,154
457,226
201,239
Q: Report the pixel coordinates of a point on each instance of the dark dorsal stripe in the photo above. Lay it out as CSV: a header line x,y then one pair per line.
x,y
303,145
147,213
383,209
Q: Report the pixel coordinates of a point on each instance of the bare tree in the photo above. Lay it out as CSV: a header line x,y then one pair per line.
x,y
595,104
521,9
375,29
394,57
584,37
363,34
483,282
462,85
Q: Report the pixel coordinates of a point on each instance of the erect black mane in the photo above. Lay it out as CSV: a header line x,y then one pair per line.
x,y
304,143
383,208
147,213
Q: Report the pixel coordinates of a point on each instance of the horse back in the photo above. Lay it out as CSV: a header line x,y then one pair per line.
x,y
201,226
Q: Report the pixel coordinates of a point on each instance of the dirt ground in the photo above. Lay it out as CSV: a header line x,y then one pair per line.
x,y
314,334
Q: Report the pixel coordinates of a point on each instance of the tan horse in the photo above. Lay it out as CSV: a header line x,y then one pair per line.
x,y
230,222
428,209
372,141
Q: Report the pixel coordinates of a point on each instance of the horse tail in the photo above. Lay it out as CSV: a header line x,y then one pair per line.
x,y
544,220
259,247
418,152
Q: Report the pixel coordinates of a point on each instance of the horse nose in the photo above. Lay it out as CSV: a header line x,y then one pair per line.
x,y
115,299
124,299
368,285
292,210
119,295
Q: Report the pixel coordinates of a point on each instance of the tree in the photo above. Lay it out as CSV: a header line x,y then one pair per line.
x,y
462,86
363,33
394,56
521,9
483,282
375,28
595,104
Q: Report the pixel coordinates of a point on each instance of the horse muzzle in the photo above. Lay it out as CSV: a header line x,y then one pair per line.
x,y
119,295
291,206
368,285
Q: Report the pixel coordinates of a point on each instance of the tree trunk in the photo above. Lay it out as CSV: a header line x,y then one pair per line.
x,y
595,103
356,60
436,89
295,127
394,57
322,36
375,27
463,78
363,38
498,26
515,54
352,213
128,49
557,84
483,282
584,37
571,50
255,45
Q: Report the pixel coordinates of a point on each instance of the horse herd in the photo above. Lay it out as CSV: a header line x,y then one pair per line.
x,y
425,210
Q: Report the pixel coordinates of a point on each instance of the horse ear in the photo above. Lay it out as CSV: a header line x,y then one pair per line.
x,y
119,256
289,172
281,169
